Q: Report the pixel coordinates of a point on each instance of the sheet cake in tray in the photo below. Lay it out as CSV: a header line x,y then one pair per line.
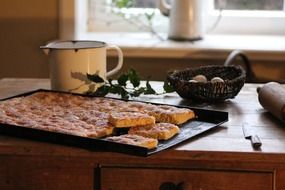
x,y
93,122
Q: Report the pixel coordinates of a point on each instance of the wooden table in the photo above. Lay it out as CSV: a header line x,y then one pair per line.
x,y
219,159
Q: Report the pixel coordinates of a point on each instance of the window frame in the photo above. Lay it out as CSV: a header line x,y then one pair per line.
x,y
73,19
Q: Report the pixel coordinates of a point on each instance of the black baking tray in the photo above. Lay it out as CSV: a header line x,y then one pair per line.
x,y
206,120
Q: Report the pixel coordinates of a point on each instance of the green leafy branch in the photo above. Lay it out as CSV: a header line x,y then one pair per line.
x,y
128,85
135,20
123,3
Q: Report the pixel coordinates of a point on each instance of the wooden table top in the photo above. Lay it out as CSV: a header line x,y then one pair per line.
x,y
226,138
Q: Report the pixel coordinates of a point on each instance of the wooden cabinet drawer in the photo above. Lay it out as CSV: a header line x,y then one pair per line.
x,y
120,178
33,173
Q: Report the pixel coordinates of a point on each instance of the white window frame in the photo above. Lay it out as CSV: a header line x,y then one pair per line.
x,y
74,19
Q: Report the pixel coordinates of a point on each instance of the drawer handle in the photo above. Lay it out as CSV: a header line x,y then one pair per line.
x,y
173,186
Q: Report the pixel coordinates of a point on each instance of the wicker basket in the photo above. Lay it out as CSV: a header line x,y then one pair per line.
x,y
234,78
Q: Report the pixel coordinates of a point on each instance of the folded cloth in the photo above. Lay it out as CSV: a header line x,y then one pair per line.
x,y
272,97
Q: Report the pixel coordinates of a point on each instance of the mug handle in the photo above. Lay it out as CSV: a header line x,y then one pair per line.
x,y
120,60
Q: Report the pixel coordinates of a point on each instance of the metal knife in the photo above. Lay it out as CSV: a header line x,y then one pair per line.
x,y
249,134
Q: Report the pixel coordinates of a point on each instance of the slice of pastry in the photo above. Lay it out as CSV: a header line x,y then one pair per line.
x,y
171,114
130,119
100,128
136,140
160,131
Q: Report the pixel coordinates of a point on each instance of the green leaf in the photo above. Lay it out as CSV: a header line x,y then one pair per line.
x,y
138,92
149,16
124,3
124,94
94,78
102,91
122,80
167,87
117,89
149,89
110,81
134,78
114,89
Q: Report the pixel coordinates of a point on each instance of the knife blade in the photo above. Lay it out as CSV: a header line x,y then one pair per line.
x,y
251,135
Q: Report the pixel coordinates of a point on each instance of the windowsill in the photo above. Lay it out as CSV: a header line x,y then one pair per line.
x,y
257,47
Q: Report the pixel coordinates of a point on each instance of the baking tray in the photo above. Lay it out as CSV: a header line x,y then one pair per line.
x,y
206,120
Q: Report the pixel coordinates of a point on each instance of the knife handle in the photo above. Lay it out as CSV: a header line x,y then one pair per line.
x,y
255,141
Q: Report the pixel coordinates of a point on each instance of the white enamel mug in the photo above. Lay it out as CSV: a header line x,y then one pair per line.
x,y
70,61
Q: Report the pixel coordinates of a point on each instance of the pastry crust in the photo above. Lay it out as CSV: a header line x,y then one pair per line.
x,y
164,113
56,112
136,140
171,114
130,119
160,131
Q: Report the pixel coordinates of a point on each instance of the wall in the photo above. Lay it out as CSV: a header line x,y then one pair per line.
x,y
158,68
25,25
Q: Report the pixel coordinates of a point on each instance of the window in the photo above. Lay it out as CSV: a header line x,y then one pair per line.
x,y
227,17
248,17
125,16
270,5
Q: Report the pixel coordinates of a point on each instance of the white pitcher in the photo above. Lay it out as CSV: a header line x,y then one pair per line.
x,y
71,61
185,22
